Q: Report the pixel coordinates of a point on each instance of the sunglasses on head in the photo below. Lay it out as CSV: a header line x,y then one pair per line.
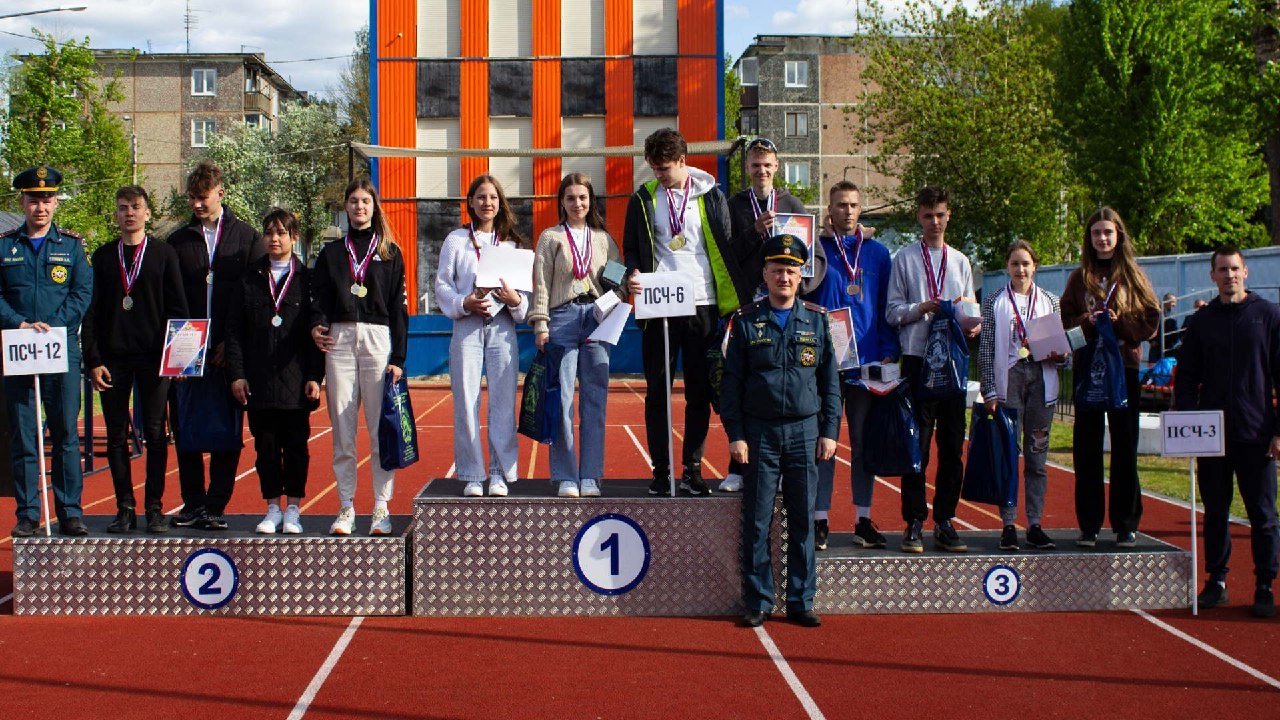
x,y
762,144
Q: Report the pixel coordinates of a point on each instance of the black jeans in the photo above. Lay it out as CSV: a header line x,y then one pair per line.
x,y
690,338
1256,474
948,418
1086,453
153,394
283,458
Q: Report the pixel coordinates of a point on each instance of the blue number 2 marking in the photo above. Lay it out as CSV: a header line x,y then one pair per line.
x,y
612,546
210,569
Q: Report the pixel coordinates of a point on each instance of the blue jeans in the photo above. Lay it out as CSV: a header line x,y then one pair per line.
x,y
588,363
857,404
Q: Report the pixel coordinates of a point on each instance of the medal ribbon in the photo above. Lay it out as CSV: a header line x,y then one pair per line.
x,y
1106,302
357,271
676,220
278,300
1018,324
935,281
217,238
581,258
475,242
857,254
771,202
130,276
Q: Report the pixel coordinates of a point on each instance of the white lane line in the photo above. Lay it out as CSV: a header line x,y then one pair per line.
x,y
784,668
1159,496
317,682
1209,649
895,488
639,447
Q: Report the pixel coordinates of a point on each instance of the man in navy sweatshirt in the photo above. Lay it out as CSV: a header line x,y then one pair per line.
x,y
1230,361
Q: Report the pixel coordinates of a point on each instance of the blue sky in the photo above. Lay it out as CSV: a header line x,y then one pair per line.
x,y
744,19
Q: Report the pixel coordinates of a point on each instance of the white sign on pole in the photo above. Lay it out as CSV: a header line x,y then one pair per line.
x,y
27,352
1194,433
664,294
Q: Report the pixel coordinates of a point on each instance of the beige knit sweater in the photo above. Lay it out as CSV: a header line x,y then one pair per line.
x,y
553,271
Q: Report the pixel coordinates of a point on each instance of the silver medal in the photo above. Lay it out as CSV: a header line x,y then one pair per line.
x,y
276,321
357,289
209,278
127,303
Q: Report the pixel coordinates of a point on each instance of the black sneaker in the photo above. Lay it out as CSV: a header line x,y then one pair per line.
x,y
1038,539
25,528
694,485
911,540
157,523
188,517
1087,539
1213,595
821,529
1126,539
661,485
1264,603
73,527
867,535
1009,538
946,538
211,522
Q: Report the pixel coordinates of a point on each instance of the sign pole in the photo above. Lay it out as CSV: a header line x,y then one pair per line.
x,y
1193,434
671,448
1195,545
35,353
44,479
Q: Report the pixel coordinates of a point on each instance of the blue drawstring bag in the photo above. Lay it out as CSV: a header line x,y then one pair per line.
x,y
540,404
397,430
1100,383
945,370
895,449
1161,373
209,418
991,470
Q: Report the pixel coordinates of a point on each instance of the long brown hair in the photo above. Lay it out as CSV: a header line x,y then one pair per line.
x,y
593,219
1134,296
505,223
378,222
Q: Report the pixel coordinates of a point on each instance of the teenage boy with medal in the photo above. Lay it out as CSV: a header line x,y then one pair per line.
x,y
276,369
1009,376
679,222
752,215
137,290
922,275
214,249
857,278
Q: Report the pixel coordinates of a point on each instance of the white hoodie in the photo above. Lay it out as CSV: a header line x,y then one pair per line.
x,y
692,258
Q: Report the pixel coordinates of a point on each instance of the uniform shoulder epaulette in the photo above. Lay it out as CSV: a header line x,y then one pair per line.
x,y
12,232
751,307
814,307
70,234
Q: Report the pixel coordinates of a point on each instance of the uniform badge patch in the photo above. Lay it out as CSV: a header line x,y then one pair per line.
x,y
808,356
58,274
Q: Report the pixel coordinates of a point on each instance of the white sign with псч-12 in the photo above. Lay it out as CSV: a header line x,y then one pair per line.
x,y
1192,433
664,294
29,352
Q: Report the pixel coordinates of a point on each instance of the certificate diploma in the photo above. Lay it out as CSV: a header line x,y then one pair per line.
x,y
185,342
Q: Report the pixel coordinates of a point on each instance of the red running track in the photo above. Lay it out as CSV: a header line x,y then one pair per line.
x,y
1042,665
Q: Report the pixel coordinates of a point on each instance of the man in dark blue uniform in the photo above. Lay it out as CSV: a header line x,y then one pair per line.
x,y
45,282
780,403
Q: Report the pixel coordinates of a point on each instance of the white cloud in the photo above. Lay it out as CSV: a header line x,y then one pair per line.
x,y
736,12
818,16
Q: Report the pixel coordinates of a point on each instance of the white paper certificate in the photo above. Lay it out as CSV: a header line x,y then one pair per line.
x,y
501,262
843,339
184,348
610,330
1045,337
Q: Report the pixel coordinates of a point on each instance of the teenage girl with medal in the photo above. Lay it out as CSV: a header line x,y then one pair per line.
x,y
276,369
360,320
1011,377
137,289
1110,281
484,339
566,284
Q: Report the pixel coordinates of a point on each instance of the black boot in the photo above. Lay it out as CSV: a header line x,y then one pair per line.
x,y
156,521
126,520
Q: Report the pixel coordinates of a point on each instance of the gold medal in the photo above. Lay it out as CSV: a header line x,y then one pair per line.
x,y
854,289
581,286
362,291
1024,353
676,243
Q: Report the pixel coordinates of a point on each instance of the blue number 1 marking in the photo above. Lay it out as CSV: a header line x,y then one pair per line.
x,y
612,546
210,569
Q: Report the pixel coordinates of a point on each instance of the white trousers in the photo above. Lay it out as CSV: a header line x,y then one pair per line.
x,y
490,349
354,373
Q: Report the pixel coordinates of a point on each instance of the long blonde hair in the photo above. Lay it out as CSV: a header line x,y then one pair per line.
x,y
1134,296
379,221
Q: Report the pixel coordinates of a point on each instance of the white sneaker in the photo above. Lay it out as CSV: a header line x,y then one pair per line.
x,y
270,522
590,488
568,488
475,488
731,483
345,523
497,487
381,523
292,521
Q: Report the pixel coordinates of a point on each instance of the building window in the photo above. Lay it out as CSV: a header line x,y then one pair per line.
x,y
257,120
749,123
201,131
797,73
251,81
797,124
749,71
204,81
797,173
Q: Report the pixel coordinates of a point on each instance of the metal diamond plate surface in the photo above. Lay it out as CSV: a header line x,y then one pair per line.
x,y
278,575
513,556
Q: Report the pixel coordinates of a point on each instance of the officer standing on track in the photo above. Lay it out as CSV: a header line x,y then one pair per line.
x,y
45,282
780,404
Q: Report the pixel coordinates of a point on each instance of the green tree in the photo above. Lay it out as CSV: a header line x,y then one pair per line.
x,y
1157,98
58,116
962,98
732,119
354,106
